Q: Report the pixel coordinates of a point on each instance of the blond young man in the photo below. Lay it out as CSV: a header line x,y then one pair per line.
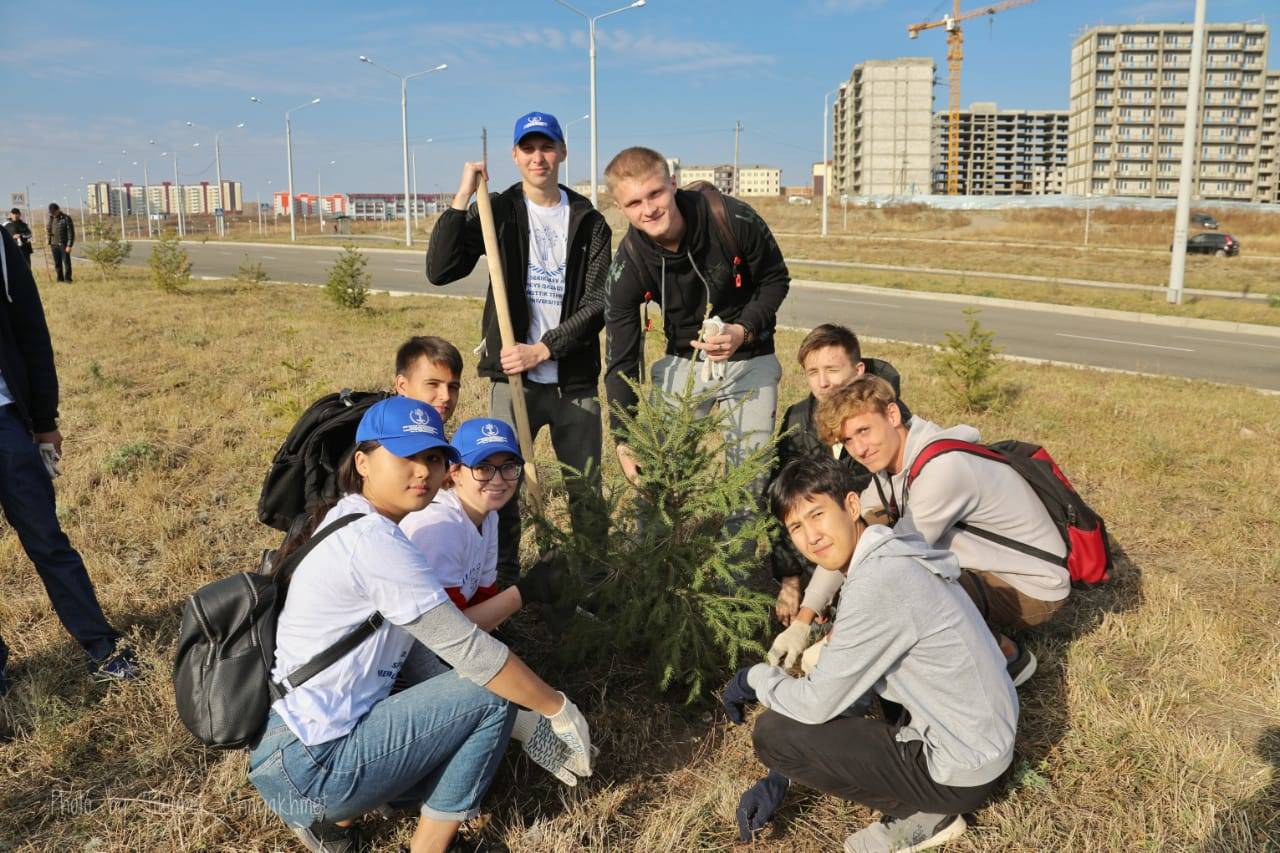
x,y
555,251
955,492
675,254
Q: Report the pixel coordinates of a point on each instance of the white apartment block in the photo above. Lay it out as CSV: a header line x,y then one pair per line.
x,y
1269,141
1003,152
163,198
1128,103
883,129
720,176
759,181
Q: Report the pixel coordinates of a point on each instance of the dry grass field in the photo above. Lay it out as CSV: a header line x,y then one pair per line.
x,y
1153,723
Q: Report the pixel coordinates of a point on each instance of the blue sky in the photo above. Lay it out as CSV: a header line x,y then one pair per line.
x,y
82,80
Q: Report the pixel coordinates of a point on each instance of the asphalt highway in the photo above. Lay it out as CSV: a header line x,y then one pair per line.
x,y
1220,356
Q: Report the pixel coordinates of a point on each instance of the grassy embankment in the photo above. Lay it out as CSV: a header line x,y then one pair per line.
x,y
1152,723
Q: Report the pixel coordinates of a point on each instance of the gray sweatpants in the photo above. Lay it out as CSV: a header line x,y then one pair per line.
x,y
748,393
576,432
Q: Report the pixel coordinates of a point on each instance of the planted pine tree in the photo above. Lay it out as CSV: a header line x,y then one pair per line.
x,y
669,585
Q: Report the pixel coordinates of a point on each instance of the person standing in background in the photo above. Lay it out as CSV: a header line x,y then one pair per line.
x,y
61,230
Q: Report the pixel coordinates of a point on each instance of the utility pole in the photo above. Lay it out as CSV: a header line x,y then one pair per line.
x,y
1190,143
737,131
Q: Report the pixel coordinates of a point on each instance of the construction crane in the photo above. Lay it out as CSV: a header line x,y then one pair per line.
x,y
955,56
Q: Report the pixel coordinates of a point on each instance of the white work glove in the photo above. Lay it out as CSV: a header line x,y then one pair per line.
x,y
571,728
789,645
809,659
542,745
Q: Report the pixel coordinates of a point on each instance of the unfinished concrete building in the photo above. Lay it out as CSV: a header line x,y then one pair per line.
x,y
881,129
1003,152
1269,141
1128,101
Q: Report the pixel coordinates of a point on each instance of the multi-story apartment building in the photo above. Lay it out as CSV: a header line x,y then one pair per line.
x,y
1003,152
721,176
759,181
163,198
882,129
1269,141
1128,102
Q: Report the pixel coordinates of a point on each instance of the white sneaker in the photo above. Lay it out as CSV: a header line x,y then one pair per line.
x,y
921,831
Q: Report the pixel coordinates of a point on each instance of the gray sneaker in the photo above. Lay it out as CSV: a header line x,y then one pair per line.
x,y
921,831
330,838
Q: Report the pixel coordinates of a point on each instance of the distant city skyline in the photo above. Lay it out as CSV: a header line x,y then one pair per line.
x,y
92,80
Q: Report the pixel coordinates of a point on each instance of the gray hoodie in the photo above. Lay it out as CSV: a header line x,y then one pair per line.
x,y
984,493
908,631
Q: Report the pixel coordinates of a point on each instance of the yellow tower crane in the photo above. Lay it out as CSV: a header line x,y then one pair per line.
x,y
955,56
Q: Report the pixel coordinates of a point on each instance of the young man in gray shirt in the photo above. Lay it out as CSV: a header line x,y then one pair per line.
x,y
904,630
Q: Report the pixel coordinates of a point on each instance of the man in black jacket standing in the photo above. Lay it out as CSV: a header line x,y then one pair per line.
x,y
555,254
30,445
700,256
61,230
21,234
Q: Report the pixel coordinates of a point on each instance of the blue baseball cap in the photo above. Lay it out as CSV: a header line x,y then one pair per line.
x,y
404,427
544,123
479,438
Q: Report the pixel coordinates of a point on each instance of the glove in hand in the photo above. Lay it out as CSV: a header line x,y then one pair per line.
x,y
543,746
789,645
571,727
809,659
737,694
758,803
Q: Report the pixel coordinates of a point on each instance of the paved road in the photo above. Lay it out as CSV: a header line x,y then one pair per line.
x,y
1231,357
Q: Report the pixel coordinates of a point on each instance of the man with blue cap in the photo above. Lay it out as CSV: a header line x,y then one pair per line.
x,y
556,252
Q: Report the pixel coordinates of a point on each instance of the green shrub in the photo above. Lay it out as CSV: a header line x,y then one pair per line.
x,y
967,362
348,283
251,273
131,457
105,249
170,266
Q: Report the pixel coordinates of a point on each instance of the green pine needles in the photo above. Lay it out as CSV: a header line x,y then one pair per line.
x,y
170,266
348,283
105,248
669,585
967,362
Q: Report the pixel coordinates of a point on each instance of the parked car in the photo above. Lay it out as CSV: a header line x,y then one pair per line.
x,y
1212,244
1203,220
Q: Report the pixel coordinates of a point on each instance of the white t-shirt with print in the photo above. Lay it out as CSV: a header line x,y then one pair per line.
x,y
367,566
548,246
458,553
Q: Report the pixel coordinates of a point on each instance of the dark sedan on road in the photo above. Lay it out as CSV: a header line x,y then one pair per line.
x,y
1212,244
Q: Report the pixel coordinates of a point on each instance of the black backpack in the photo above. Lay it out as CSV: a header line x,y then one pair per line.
x,y
304,470
227,647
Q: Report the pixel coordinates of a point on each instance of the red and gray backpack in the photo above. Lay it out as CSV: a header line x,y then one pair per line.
x,y
1088,559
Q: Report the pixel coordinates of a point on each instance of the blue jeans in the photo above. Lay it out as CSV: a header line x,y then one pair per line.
x,y
27,499
435,746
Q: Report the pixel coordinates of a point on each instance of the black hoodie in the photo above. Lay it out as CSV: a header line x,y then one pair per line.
x,y
684,281
26,353
457,243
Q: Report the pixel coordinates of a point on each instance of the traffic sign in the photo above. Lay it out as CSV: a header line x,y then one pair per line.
x,y
217,211
17,199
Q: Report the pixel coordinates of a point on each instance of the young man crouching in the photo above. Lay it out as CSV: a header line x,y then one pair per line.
x,y
906,630
960,502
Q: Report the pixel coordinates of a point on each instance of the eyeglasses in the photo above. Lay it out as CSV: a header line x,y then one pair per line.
x,y
484,473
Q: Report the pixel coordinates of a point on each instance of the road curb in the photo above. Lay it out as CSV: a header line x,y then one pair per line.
x,y
1047,307
232,244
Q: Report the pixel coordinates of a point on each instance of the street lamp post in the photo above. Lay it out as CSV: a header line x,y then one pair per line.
x,y
413,164
568,178
404,130
591,41
826,155
320,196
217,161
288,154
177,193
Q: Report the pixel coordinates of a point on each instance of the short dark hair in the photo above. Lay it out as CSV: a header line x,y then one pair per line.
x,y
808,478
435,349
15,210
830,335
53,207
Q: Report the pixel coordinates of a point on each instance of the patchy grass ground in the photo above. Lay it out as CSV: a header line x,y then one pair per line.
x,y
1153,722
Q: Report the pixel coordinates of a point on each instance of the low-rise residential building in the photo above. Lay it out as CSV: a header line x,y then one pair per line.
x,y
759,181
721,176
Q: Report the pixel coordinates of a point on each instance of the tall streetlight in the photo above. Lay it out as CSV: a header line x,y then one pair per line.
x,y
177,191
288,153
146,189
1186,176
413,164
826,154
404,130
591,40
320,196
568,178
217,160
120,193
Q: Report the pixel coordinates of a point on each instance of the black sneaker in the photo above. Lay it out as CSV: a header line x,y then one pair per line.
x,y
121,666
1022,667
